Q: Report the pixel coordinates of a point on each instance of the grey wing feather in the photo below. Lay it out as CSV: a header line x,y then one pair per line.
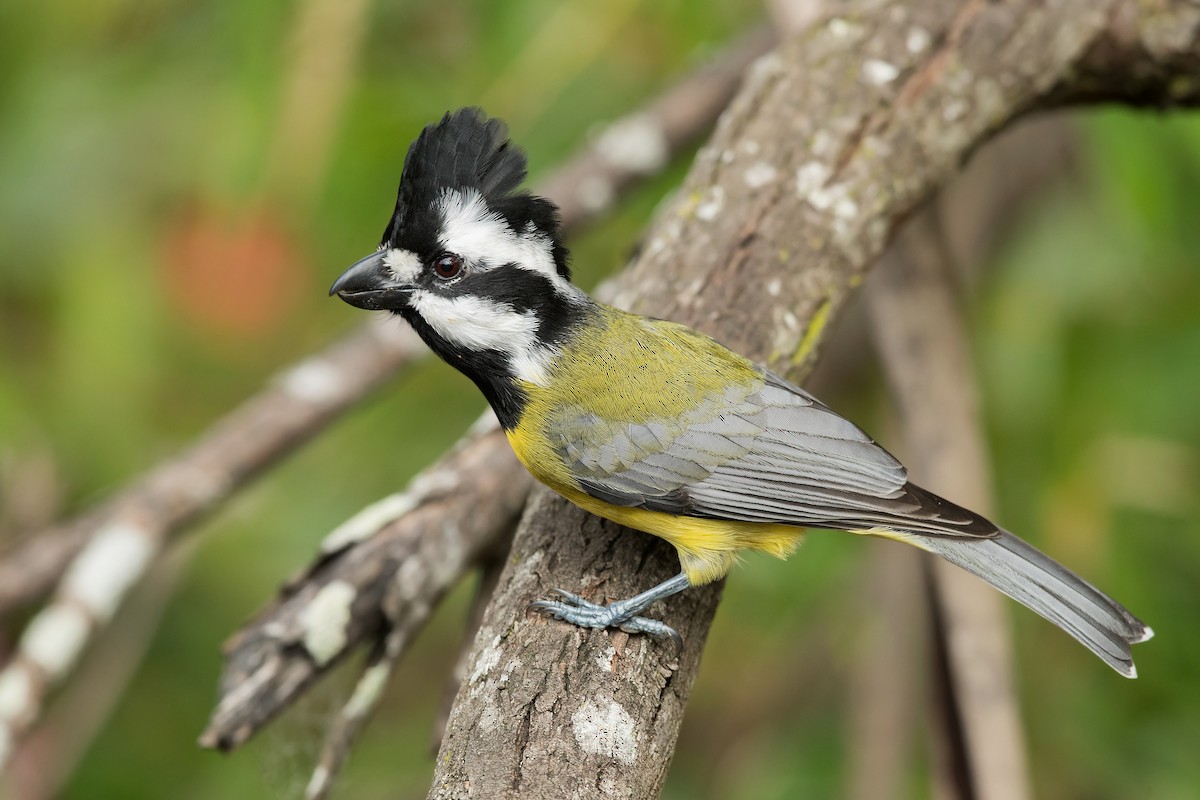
x,y
777,454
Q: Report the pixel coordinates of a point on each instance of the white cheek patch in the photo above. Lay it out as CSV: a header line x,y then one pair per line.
x,y
404,264
476,323
484,239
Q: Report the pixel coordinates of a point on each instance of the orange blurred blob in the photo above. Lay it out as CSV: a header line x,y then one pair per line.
x,y
233,277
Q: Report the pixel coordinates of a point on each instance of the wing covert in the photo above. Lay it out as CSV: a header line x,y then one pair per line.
x,y
767,453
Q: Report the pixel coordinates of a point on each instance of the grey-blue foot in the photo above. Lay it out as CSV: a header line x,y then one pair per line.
x,y
574,609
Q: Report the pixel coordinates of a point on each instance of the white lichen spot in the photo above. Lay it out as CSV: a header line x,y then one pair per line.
x,y
791,321
512,666
490,716
876,232
712,205
488,658
115,557
434,483
636,143
16,691
917,40
750,147
774,287
824,144
845,208
878,72
954,110
759,175
811,178
313,381
728,156
605,658
368,521
368,691
54,639
316,784
763,68
596,193
605,729
408,581
324,621
840,27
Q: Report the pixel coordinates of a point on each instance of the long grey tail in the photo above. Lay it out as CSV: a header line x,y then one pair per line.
x,y
1035,580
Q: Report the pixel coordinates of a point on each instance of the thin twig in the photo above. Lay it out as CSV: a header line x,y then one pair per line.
x,y
922,338
975,211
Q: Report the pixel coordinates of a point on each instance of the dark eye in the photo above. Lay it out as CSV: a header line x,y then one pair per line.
x,y
447,266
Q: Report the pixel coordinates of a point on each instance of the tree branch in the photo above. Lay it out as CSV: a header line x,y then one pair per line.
x,y
922,338
834,140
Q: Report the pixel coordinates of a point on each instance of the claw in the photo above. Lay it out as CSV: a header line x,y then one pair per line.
x,y
586,614
574,599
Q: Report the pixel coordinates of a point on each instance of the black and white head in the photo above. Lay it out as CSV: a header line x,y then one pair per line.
x,y
474,265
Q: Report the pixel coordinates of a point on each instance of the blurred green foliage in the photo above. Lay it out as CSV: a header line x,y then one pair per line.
x,y
179,182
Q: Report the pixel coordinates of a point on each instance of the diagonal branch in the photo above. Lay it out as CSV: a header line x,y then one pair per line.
x,y
834,140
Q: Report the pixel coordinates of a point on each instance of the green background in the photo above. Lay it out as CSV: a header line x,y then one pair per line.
x,y
169,223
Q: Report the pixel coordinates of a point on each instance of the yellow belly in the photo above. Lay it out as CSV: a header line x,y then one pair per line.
x,y
707,547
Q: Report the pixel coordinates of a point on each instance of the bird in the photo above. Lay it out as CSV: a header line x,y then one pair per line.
x,y
649,423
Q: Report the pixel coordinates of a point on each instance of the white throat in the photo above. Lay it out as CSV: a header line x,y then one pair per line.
x,y
476,323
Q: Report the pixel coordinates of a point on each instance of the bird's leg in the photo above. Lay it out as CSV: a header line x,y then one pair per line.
x,y
621,614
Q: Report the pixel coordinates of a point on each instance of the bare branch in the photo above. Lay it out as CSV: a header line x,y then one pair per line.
x,y
833,141
923,340
973,211
383,587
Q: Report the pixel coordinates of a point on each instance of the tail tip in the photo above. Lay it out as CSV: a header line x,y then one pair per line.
x,y
1147,635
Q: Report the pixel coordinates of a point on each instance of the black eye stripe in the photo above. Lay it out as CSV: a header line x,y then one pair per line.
x,y
525,291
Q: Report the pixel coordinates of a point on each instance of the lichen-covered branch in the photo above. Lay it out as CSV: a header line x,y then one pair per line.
x,y
833,141
418,545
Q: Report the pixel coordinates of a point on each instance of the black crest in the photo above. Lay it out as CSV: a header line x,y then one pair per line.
x,y
466,150
469,150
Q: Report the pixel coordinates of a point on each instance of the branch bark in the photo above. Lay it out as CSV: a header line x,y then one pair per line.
x,y
835,139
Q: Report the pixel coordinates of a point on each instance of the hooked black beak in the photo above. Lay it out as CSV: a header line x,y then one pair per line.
x,y
369,284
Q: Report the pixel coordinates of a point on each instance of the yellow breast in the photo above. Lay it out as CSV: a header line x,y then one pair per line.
x,y
627,369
